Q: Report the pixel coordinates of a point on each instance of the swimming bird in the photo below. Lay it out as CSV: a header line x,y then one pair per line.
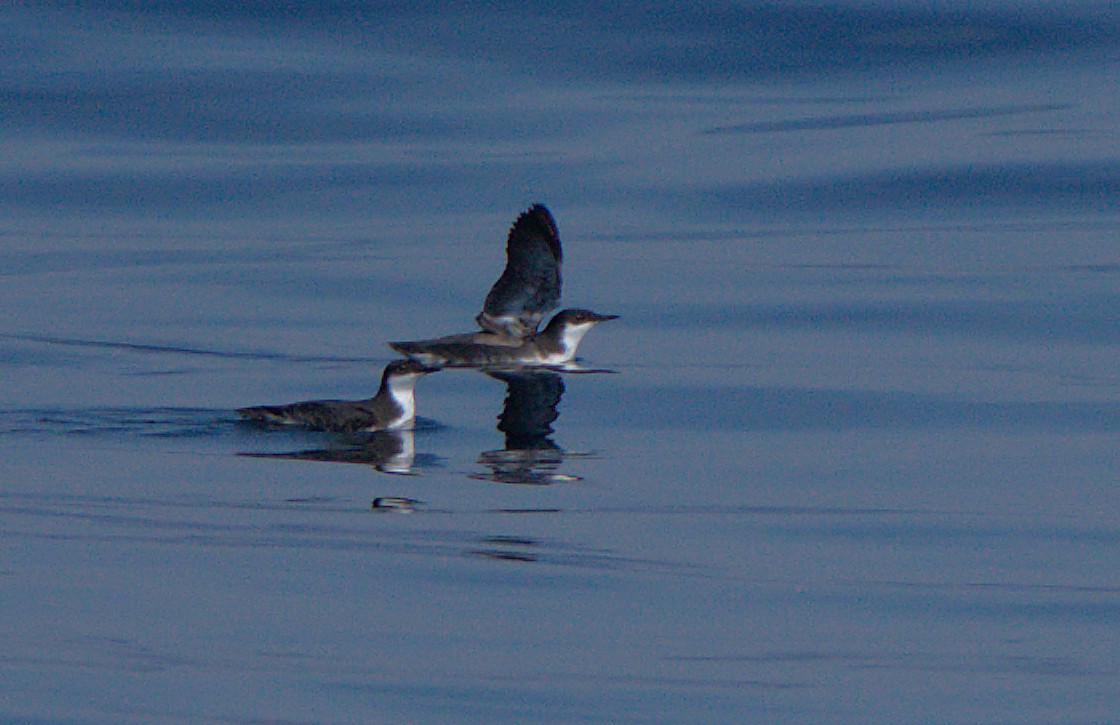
x,y
555,345
527,290
393,408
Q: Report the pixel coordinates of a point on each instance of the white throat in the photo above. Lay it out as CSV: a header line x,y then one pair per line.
x,y
401,388
572,335
569,341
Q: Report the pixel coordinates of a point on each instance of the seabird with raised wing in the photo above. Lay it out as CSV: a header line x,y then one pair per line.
x,y
527,290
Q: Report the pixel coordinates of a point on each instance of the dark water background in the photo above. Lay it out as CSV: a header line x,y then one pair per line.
x,y
858,462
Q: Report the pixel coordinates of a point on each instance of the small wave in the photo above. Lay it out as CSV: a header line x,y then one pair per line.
x,y
182,350
146,422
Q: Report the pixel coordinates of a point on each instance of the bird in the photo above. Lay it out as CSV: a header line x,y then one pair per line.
x,y
554,346
392,408
527,290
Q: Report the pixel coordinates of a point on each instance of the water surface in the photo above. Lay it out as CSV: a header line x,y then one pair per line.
x,y
856,462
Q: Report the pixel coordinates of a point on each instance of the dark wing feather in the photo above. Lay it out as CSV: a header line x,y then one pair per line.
x,y
529,287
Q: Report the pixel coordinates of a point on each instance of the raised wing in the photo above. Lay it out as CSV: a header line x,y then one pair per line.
x,y
529,287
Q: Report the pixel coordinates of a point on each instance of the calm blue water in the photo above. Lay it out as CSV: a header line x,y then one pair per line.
x,y
858,460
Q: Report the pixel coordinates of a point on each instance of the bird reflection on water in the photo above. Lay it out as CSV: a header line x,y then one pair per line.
x,y
388,451
530,455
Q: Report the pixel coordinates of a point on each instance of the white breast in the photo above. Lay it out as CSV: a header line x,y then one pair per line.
x,y
401,388
571,338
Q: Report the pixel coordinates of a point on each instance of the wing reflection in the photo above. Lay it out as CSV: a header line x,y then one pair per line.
x,y
387,451
530,455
